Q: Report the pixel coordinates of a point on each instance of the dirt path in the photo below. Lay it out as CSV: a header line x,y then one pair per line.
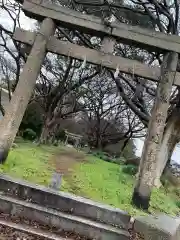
x,y
65,160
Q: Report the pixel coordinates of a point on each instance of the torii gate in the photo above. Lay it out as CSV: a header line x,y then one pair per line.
x,y
52,15
76,137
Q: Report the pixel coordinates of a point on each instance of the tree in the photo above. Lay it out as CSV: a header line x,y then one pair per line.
x,y
58,94
20,98
167,23
82,39
106,119
137,94
19,53
164,16
33,118
147,170
11,58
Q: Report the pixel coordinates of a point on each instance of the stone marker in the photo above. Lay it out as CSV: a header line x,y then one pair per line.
x,y
161,227
56,181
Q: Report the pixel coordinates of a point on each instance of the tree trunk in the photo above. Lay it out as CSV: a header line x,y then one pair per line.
x,y
148,165
45,135
170,138
22,94
49,129
48,134
125,143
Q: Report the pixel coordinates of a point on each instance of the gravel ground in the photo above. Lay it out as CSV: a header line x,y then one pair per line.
x,y
132,234
135,236
7,233
11,234
58,232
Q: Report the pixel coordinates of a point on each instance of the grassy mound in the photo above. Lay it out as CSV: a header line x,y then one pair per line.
x,y
94,178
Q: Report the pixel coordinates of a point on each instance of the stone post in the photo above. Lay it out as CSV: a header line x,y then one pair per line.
x,y
148,164
66,141
10,123
161,227
56,181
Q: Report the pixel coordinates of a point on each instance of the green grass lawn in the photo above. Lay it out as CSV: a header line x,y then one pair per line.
x,y
30,163
95,179
105,182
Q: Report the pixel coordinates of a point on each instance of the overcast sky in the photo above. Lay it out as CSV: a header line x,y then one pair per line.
x,y
28,24
139,145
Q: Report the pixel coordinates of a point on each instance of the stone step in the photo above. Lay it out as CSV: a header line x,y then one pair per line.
x,y
30,232
64,221
64,202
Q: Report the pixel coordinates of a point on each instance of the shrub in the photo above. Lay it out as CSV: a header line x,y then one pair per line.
x,y
33,118
165,182
177,192
120,160
178,204
14,145
29,134
130,170
106,158
60,135
55,144
90,152
99,154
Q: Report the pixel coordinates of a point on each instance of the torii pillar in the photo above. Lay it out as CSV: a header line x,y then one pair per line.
x,y
10,123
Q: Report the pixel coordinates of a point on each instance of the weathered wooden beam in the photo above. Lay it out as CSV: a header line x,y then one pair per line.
x,y
65,17
96,57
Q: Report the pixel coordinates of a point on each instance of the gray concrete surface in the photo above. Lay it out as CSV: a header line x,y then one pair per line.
x,y
64,202
67,222
32,231
161,227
